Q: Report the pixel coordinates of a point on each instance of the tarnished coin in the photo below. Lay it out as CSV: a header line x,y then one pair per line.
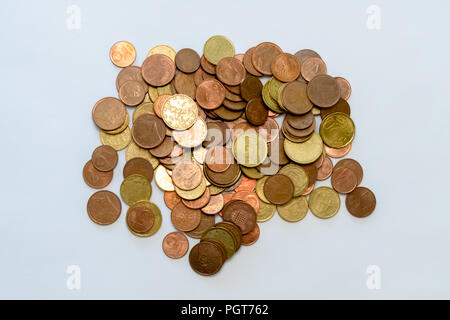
x,y
251,237
285,67
208,67
263,55
353,165
122,128
148,131
104,207
117,141
345,88
158,70
256,112
157,220
325,170
312,67
218,47
337,130
295,210
171,199
187,176
130,73
250,149
206,258
200,202
279,189
122,54
230,71
251,88
210,94
324,91
104,158
324,202
222,235
109,113
206,222
304,54
214,205
184,218
135,188
248,64
187,60
343,180
175,245
360,202
94,178
140,219
179,112
340,106
139,166
164,149
241,214
184,83
300,121
295,99
132,92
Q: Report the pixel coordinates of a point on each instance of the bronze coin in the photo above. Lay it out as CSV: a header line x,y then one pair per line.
x,y
311,171
250,238
104,207
232,96
352,165
233,89
300,122
184,218
94,178
159,102
230,71
198,76
175,245
148,130
216,135
139,166
269,130
140,219
304,54
187,60
246,184
171,199
263,55
325,170
122,54
241,214
105,158
187,175
158,70
251,88
312,67
295,99
214,205
132,93
200,202
225,178
210,94
248,196
206,222
360,202
256,112
235,106
275,152
185,83
297,132
324,91
206,258
340,106
285,67
164,149
130,73
343,180
248,64
345,88
218,159
278,189
337,153
109,113
207,66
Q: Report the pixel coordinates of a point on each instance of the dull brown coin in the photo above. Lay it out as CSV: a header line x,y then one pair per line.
x,y
122,54
300,121
104,158
158,70
343,180
345,88
109,113
140,219
324,91
232,96
360,202
94,178
214,205
159,102
185,83
226,178
304,54
130,73
200,202
337,153
352,165
285,67
104,207
248,64
251,88
311,171
210,94
171,199
206,258
187,60
187,175
303,133
340,106
148,130
175,245
207,66
132,92
295,99
312,67
218,159
138,166
250,238
184,218
278,189
325,170
217,134
235,106
164,149
249,197
270,130
256,112
230,71
263,55
206,222
241,214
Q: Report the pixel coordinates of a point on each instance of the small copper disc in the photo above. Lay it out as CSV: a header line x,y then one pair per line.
x,y
325,170
148,130
104,207
311,171
210,94
206,222
263,55
159,102
269,130
158,70
187,176
104,158
200,202
360,202
122,54
214,205
285,67
324,91
256,112
230,71
278,189
248,196
171,199
130,73
340,106
337,153
185,83
206,258
295,99
248,64
250,238
346,89
312,67
207,66
246,184
138,166
352,165
343,180
304,54
164,149
251,88
140,219
300,122
175,245
241,214
132,93
187,60
218,159
184,218
109,113
94,178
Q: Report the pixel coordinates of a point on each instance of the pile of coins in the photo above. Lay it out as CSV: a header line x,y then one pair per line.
x,y
205,128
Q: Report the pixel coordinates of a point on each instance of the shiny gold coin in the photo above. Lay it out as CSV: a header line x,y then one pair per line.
x,y
218,47
157,218
305,152
250,149
298,176
194,193
135,188
163,179
163,49
145,107
179,112
121,128
295,210
134,151
266,211
117,141
324,202
259,189
337,130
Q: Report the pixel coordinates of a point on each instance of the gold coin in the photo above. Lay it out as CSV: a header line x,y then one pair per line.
x,y
156,222
337,130
179,112
295,210
305,152
259,189
324,202
266,211
213,189
194,193
218,47
192,137
135,188
167,89
145,107
298,176
122,127
250,149
270,102
163,49
152,93
134,151
117,141
163,179
315,111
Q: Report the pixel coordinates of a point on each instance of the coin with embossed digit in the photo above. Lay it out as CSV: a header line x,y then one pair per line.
x,y
104,158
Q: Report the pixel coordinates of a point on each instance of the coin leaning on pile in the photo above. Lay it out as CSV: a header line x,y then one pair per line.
x,y
204,128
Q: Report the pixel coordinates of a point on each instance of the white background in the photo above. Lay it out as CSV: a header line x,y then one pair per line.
x,y
52,76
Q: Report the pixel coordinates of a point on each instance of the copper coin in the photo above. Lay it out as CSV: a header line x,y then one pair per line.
x,y
275,152
248,196
232,96
207,66
200,202
235,230
104,158
184,218
109,113
198,76
210,94
324,91
248,64
269,131
285,67
360,202
217,134
343,180
345,88
104,207
325,170
140,219
148,130
171,199
263,55
274,114
130,73
256,112
206,222
206,258
337,153
319,161
295,99
185,83
278,189
311,171
303,133
139,166
122,54
241,214
352,165
94,178
312,67
158,70
187,60
225,178
230,71
159,102
235,106
300,122
218,159
233,89
214,205
227,197
304,54
132,92
246,184
175,245
164,149
251,88
187,175
250,238
340,106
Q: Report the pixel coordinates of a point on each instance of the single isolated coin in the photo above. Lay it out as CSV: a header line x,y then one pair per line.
x,y
360,202
104,207
175,245
122,54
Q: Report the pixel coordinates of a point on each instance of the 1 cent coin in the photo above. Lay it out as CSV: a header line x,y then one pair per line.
x,y
279,189
184,218
285,67
158,70
104,207
122,54
148,131
104,158
175,245
360,202
187,60
94,178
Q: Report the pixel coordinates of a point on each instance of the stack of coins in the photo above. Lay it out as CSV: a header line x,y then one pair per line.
x,y
205,127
